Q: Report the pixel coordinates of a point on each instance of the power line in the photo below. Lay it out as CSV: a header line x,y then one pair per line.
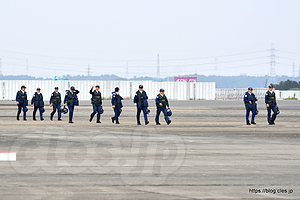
x,y
226,55
212,63
290,52
146,60
120,66
289,58
45,68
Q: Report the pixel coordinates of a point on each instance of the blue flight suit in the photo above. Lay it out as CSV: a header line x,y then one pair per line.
x,y
117,102
97,103
55,100
38,102
140,99
21,97
72,101
270,99
161,99
250,107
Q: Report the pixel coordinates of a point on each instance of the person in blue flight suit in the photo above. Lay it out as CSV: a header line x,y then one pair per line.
x,y
38,102
116,102
55,101
96,101
250,104
161,103
22,102
72,100
270,100
141,103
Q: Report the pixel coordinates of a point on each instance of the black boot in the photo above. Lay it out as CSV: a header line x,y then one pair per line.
x,y
91,119
139,124
112,120
51,117
98,121
157,123
248,124
147,122
71,122
169,122
253,123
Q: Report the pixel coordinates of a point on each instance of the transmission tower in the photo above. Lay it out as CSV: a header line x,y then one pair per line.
x,y
158,68
27,65
216,66
272,64
294,70
89,71
127,70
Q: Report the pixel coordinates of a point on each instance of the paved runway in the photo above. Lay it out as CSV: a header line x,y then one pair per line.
x,y
207,152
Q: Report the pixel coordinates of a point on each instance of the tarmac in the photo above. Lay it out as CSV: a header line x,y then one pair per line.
x,y
207,152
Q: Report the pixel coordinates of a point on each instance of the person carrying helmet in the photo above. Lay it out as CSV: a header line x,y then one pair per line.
x,y
250,104
71,100
64,110
96,101
141,103
22,102
270,100
161,103
55,101
38,102
116,102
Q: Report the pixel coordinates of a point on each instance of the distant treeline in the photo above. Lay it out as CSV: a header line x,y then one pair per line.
x,y
221,81
22,77
287,85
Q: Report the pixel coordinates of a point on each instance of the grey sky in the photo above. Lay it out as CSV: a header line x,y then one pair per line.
x,y
63,37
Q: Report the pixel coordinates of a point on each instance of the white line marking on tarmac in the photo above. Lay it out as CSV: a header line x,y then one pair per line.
x,y
8,156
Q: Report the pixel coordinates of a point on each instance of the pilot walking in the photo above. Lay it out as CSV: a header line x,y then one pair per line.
x,y
37,102
250,104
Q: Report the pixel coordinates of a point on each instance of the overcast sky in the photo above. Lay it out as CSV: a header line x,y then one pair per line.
x,y
225,37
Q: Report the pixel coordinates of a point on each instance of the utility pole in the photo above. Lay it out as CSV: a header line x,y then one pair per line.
x,y
158,67
272,64
127,70
294,70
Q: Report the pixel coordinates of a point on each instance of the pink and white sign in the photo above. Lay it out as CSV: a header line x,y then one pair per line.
x,y
186,79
